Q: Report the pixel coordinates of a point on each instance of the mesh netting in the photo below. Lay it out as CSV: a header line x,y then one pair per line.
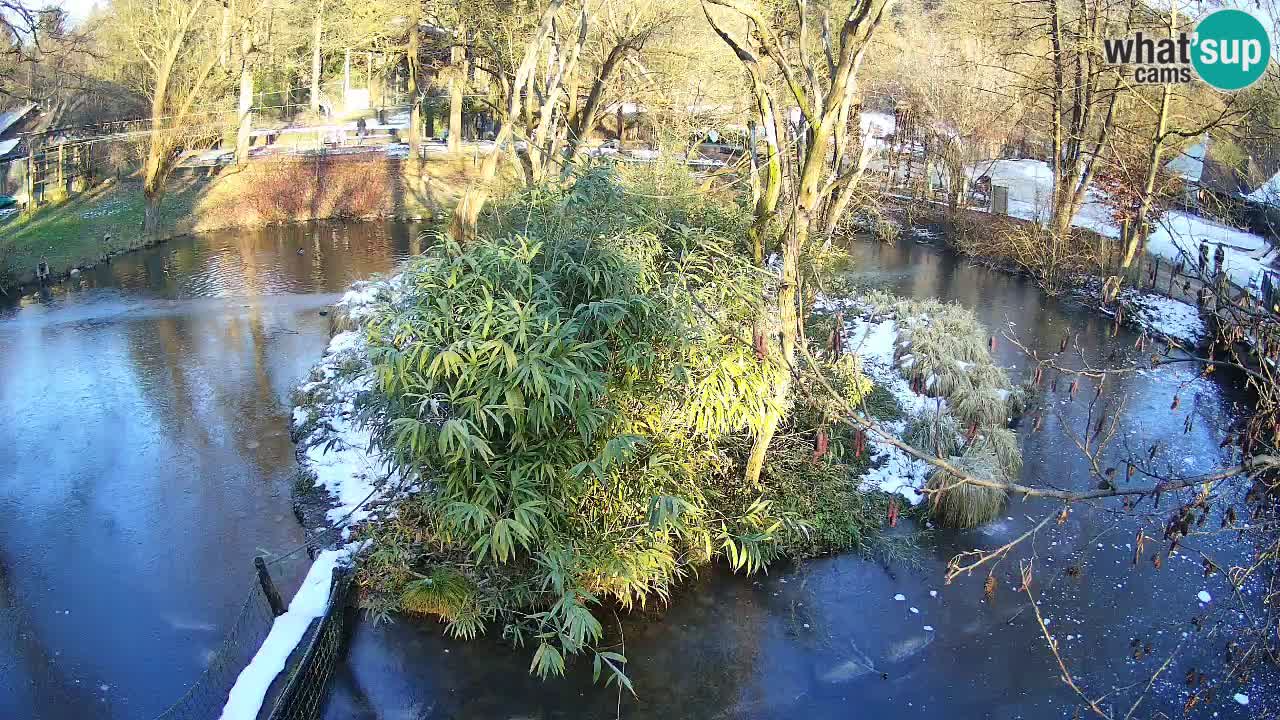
x,y
304,691
306,678
207,696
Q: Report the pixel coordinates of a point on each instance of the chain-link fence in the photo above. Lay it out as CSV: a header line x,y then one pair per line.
x,y
304,691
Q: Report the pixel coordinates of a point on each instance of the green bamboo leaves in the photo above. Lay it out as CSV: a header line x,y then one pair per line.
x,y
570,405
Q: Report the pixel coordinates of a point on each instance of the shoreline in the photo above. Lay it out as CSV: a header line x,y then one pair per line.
x,y
104,222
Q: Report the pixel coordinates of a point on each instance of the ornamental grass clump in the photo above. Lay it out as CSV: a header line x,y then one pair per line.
x,y
960,504
943,350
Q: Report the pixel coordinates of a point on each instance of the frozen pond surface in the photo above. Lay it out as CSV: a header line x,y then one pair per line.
x,y
848,637
145,458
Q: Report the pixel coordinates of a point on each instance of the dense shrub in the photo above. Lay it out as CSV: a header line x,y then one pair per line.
x,y
293,189
577,390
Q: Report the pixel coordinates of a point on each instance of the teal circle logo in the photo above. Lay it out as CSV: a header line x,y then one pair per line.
x,y
1231,49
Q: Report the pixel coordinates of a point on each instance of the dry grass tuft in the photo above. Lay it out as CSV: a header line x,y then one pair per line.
x,y
943,348
964,505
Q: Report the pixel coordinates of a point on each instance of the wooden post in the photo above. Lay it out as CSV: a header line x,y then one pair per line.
x,y
999,200
269,587
31,177
62,173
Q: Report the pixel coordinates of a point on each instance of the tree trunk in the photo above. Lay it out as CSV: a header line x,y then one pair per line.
x,y
467,214
246,97
585,120
788,317
457,80
1137,227
151,212
315,58
415,104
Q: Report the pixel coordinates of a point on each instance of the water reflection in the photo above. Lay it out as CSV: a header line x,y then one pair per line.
x,y
145,457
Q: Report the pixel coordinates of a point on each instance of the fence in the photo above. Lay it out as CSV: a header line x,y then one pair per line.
x,y
305,686
305,680
205,699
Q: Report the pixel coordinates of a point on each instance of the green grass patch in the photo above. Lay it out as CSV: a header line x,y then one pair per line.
x,y
70,234
882,405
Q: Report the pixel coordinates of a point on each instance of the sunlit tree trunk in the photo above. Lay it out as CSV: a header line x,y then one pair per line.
x,y
820,110
457,81
415,103
246,96
1137,227
317,36
172,100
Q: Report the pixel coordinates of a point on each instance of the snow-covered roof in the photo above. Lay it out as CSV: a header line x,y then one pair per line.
x,y
1268,193
1189,164
9,117
7,146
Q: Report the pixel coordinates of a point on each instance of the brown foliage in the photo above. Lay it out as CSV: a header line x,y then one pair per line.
x,y
297,189
1029,247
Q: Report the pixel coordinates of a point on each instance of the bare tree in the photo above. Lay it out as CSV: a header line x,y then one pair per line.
x,y
823,93
626,29
176,47
473,200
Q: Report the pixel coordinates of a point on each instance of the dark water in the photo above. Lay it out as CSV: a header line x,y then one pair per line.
x,y
144,460
827,639
145,457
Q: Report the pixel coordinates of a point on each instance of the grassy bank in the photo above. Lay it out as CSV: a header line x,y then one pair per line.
x,y
365,186
70,234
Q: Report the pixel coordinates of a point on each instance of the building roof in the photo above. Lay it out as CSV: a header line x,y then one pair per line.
x,y
1189,164
7,146
13,115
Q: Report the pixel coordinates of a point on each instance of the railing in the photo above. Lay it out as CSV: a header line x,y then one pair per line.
x,y
306,680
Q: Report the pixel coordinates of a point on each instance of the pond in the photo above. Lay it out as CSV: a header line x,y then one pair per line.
x,y
146,459
851,636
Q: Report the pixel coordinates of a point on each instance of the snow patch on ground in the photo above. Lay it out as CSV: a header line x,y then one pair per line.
x,y
875,340
339,450
1165,316
247,695
1030,184
1157,314
894,471
1175,235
